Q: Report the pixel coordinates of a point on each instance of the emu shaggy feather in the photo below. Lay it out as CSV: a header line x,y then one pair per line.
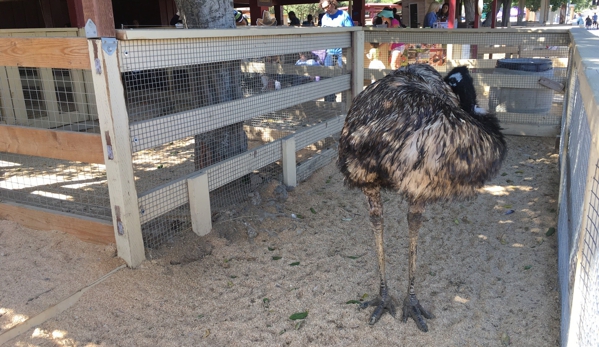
x,y
408,132
422,136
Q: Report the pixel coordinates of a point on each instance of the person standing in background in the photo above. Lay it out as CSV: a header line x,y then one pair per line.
x,y
334,17
431,16
443,13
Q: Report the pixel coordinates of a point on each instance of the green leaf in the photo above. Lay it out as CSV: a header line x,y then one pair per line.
x,y
527,267
507,206
295,263
312,210
364,297
271,249
550,231
160,166
519,172
276,257
233,276
504,174
299,216
509,181
456,221
353,302
299,315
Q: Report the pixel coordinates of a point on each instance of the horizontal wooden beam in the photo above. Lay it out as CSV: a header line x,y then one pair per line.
x,y
55,144
48,52
204,119
86,229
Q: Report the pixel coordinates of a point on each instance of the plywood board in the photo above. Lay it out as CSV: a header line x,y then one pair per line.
x,y
63,145
85,228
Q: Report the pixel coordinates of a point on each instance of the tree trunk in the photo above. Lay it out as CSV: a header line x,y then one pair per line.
x,y
218,82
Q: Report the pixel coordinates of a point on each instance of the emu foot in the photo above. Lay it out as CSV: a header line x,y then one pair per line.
x,y
412,308
382,304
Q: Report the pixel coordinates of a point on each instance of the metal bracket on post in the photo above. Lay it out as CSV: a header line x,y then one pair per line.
x,y
90,29
109,45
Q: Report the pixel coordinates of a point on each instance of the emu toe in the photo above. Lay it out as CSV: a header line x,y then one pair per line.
x,y
382,304
412,308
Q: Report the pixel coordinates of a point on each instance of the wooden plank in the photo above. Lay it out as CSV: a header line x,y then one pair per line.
x,y
141,54
110,100
55,144
199,203
530,130
65,53
218,175
6,106
318,132
101,14
208,118
482,36
16,93
85,228
291,69
155,34
491,63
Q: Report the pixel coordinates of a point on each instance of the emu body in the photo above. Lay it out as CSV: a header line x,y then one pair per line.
x,y
420,135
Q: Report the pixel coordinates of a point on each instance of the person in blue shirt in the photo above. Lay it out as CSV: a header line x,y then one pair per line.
x,y
431,16
334,17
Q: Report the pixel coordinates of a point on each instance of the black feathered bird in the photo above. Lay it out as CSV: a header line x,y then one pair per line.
x,y
422,136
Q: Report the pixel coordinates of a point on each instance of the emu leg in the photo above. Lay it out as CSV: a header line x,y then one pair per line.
x,y
385,302
411,305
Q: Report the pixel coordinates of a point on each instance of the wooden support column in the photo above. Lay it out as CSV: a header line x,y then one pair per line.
x,y
357,63
451,16
358,14
256,10
116,141
493,16
98,11
279,15
199,203
289,163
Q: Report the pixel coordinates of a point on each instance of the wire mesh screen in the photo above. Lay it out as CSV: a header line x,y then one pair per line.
x,y
61,99
588,330
506,69
60,185
578,220
57,99
196,104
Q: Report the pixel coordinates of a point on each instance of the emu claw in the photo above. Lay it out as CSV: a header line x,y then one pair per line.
x,y
387,303
413,309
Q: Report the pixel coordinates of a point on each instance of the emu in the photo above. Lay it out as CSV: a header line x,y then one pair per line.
x,y
424,137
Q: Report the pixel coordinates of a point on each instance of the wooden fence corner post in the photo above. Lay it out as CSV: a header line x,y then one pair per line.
x,y
116,141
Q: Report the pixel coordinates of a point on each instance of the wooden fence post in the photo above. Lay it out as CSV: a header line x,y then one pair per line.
x,y
289,163
116,140
357,66
199,203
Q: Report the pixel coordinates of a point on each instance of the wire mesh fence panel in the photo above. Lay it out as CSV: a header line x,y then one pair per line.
x,y
34,171
60,185
61,99
507,69
223,111
588,331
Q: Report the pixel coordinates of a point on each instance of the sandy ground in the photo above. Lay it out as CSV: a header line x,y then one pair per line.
x,y
489,277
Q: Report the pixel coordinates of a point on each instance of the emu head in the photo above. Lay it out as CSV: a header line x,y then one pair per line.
x,y
462,84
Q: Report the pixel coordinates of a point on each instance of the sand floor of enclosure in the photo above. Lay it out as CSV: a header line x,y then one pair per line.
x,y
489,276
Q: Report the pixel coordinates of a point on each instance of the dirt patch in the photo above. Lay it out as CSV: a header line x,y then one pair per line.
x,y
488,274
